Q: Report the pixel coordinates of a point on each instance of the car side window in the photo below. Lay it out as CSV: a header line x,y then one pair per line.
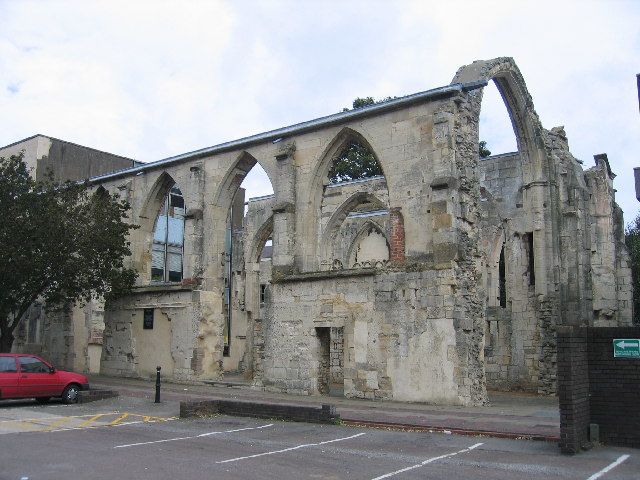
x,y
32,365
8,365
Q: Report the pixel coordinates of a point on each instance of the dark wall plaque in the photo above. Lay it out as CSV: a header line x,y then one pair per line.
x,y
148,319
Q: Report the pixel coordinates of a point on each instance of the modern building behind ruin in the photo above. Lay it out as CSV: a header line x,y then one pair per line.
x,y
446,275
70,337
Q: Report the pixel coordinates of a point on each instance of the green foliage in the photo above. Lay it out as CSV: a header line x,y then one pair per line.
x,y
354,162
365,102
483,150
58,243
632,240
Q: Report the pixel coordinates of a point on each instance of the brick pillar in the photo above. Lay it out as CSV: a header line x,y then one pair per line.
x,y
573,388
396,253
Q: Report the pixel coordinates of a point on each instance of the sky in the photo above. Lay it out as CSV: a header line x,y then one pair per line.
x,y
149,80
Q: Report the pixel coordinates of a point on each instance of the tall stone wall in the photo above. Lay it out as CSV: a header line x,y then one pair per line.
x,y
399,336
443,275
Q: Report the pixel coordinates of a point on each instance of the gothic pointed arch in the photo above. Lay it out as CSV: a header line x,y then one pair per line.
x,y
153,202
234,176
340,141
338,217
369,247
101,192
320,186
264,233
161,221
526,124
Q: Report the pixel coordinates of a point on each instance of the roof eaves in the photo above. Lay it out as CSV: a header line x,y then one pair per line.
x,y
297,128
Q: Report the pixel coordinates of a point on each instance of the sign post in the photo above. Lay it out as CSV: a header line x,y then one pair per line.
x,y
626,348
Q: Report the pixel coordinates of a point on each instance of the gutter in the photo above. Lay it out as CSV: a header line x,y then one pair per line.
x,y
296,129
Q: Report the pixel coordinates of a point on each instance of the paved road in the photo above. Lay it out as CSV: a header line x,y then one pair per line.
x,y
99,441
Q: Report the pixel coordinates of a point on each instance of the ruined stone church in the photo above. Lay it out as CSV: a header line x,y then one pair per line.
x,y
443,276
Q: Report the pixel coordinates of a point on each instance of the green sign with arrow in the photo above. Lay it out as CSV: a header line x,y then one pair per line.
x,y
626,348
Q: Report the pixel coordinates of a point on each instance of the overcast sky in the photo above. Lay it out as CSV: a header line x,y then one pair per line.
x,y
149,80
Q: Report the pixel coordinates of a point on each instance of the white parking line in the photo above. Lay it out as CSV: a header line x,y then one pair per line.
x,y
290,448
611,466
430,460
195,436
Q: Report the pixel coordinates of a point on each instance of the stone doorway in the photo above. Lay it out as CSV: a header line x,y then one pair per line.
x,y
330,361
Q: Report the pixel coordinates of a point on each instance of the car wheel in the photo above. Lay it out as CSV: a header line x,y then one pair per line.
x,y
42,399
70,394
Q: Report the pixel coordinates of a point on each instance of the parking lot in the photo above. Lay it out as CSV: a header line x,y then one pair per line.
x,y
134,438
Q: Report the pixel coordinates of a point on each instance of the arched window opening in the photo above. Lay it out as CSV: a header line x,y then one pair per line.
x,y
354,161
253,186
168,239
369,247
267,250
531,266
502,281
496,129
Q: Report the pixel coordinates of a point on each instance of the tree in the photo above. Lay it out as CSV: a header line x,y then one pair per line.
x,y
359,102
632,240
483,151
58,243
354,162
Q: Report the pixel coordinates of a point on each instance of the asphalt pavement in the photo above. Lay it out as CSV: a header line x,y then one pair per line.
x,y
221,447
130,437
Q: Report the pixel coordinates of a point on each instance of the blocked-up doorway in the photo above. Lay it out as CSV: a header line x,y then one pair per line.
x,y
330,360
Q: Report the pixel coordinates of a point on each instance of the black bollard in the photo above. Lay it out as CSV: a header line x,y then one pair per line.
x,y
157,385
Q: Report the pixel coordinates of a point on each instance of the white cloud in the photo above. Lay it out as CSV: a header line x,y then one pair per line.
x,y
154,79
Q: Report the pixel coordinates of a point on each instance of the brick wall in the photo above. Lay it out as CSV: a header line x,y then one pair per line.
x,y
396,253
595,387
614,387
573,388
296,413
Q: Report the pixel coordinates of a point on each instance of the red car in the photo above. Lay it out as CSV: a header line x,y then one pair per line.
x,y
29,376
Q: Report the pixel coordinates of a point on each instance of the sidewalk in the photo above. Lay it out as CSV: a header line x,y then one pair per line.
x,y
510,415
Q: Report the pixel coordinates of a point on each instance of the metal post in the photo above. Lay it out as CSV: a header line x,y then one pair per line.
x,y
157,385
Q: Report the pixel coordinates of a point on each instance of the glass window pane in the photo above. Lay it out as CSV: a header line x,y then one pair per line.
x,y
160,233
157,256
8,365
177,201
176,231
32,365
157,274
174,263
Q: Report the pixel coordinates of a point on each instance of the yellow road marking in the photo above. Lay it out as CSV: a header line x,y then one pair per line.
x,y
119,419
52,425
53,418
26,423
91,420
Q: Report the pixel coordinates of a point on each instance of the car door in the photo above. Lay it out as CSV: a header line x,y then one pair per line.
x,y
9,376
36,379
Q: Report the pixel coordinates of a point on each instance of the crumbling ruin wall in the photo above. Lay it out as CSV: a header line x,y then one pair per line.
x,y
426,277
151,329
551,252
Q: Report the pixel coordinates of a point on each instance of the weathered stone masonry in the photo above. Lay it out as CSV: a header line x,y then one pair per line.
x,y
446,274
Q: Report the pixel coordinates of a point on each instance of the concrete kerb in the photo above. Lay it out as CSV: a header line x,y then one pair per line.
x,y
93,395
297,413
